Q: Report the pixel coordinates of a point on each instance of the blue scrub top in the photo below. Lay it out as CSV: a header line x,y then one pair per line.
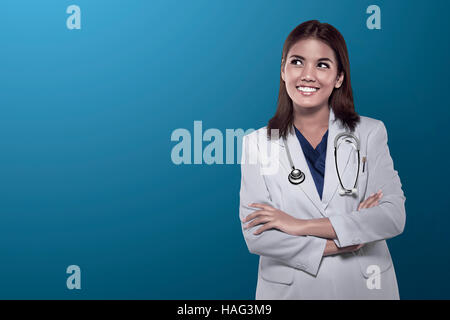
x,y
315,158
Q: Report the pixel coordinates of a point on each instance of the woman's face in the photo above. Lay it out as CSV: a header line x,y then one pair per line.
x,y
310,64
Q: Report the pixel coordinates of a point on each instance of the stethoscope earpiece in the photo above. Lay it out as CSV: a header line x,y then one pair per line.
x,y
351,192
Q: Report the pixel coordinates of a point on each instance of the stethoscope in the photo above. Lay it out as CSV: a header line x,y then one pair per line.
x,y
297,176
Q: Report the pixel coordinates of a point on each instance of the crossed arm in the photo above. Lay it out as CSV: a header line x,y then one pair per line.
x,y
322,227
336,234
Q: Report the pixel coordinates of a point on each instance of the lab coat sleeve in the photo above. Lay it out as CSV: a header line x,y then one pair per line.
x,y
301,252
387,219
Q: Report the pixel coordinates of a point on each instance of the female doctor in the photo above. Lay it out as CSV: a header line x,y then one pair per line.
x,y
320,221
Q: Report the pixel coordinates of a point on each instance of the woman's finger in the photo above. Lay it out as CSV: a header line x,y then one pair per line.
x,y
253,215
257,221
348,248
376,200
374,197
367,202
266,226
371,202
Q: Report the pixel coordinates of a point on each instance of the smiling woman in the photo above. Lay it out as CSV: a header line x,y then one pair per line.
x,y
315,72
315,242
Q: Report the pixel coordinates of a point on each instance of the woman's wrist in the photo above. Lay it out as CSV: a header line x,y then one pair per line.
x,y
318,227
330,248
302,227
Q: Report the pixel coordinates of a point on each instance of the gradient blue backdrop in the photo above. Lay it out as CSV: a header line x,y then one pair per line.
x,y
86,116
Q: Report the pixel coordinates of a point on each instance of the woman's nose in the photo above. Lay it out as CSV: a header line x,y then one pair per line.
x,y
308,72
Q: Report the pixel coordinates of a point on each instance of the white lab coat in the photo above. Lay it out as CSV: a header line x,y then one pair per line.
x,y
293,267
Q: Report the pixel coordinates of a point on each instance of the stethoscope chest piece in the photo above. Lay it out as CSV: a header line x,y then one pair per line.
x,y
296,176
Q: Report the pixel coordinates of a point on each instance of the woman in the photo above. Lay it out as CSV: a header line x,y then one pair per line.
x,y
314,241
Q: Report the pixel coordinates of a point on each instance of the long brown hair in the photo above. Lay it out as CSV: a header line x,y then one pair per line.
x,y
341,99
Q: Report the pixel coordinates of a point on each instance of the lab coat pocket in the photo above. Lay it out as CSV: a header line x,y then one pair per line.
x,y
275,271
374,255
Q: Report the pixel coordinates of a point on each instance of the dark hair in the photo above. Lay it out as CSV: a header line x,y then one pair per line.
x,y
341,99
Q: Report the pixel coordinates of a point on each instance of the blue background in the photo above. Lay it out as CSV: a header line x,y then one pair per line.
x,y
86,116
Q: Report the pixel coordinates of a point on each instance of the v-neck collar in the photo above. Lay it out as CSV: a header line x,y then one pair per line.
x,y
331,181
305,143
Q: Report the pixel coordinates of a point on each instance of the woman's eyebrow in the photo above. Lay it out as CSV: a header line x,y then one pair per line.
x,y
321,59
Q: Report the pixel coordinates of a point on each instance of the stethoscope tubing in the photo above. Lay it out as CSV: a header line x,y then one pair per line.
x,y
296,176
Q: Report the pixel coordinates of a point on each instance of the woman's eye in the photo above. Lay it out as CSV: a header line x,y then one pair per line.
x,y
320,63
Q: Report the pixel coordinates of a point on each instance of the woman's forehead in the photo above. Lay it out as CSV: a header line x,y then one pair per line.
x,y
311,49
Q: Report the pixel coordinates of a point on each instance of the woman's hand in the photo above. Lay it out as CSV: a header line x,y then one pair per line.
x,y
273,218
371,201
331,248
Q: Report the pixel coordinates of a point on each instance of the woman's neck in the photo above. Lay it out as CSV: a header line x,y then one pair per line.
x,y
311,119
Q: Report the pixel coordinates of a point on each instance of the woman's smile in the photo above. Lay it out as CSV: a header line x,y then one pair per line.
x,y
307,91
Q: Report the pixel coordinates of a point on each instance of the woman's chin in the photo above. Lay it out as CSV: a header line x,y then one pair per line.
x,y
306,103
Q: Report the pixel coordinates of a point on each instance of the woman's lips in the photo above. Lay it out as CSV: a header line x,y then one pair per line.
x,y
307,93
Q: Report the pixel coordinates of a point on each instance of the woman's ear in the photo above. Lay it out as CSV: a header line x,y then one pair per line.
x,y
339,80
282,70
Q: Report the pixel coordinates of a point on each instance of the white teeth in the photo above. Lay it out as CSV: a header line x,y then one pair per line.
x,y
307,89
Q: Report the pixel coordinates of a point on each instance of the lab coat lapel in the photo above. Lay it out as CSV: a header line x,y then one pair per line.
x,y
331,180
